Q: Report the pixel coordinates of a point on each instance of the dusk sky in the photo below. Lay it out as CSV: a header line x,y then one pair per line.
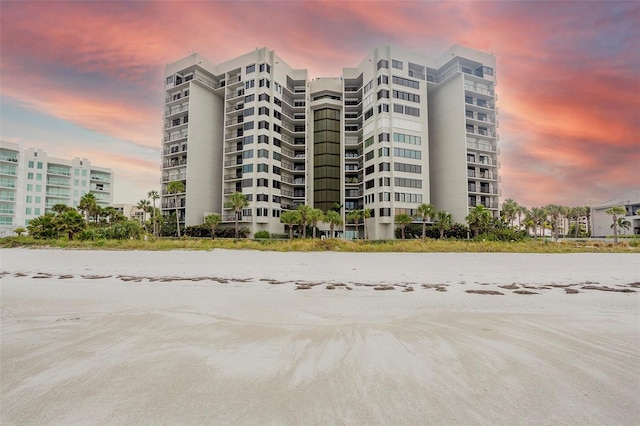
x,y
86,78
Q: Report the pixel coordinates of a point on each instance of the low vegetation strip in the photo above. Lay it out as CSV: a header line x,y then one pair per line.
x,y
409,246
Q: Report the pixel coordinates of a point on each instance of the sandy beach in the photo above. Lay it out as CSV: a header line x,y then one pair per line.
x,y
241,337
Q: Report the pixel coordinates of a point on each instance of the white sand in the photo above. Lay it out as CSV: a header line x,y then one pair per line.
x,y
137,350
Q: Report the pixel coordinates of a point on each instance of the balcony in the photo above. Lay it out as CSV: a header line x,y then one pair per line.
x,y
175,149
176,137
8,158
175,110
480,103
235,94
476,88
100,178
11,171
480,146
57,171
7,183
171,178
175,162
233,176
482,132
236,162
6,211
58,182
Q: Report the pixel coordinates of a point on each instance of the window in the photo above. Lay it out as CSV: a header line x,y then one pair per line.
x,y
384,196
30,176
262,197
31,165
396,64
398,108
246,183
409,139
263,167
277,115
248,125
383,64
262,138
368,114
262,67
369,155
29,199
383,79
29,187
368,142
487,70
263,125
383,94
383,137
406,82
405,96
249,84
369,170
247,140
264,97
248,112
407,153
383,108
251,68
28,210
408,168
261,211
170,79
249,98
412,111
39,187
40,166
368,87
262,182
247,154
370,184
276,184
275,213
405,197
384,181
407,183
385,211
263,153
247,168
277,170
38,199
264,82
384,152
263,111
277,156
277,101
384,167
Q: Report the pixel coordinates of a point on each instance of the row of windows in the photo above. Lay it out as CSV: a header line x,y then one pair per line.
x,y
407,197
406,96
407,153
36,211
409,168
407,183
413,140
368,86
406,82
415,112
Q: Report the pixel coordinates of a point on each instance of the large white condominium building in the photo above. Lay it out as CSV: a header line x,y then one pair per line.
x,y
32,182
398,130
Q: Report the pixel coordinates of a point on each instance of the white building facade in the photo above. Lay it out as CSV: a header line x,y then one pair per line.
x,y
398,130
32,182
602,222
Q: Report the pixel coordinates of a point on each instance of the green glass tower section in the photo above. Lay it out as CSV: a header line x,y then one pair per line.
x,y
326,158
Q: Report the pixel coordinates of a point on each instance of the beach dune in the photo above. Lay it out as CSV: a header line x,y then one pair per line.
x,y
240,337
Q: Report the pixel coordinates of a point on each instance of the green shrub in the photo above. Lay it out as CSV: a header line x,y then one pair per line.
x,y
262,234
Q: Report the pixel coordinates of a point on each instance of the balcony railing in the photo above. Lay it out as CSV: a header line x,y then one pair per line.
x,y
171,178
478,89
9,158
181,135
175,149
176,109
8,171
177,162
481,146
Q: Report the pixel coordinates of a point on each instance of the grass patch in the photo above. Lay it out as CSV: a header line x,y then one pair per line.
x,y
398,246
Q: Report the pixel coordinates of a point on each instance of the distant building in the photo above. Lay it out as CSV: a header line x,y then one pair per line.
x,y
32,182
602,221
398,130
131,212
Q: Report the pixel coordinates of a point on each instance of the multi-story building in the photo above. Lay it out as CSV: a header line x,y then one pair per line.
x,y
398,130
32,182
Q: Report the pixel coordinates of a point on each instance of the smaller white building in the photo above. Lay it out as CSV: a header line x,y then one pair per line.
x,y
602,221
32,182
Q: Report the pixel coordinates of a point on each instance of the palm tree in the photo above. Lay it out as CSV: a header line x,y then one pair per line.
x,y
237,202
19,231
144,206
522,210
443,222
402,220
509,210
425,211
366,214
43,226
290,218
176,187
587,213
60,208
333,218
212,221
539,216
304,210
478,219
88,205
154,196
556,211
355,216
623,224
70,222
314,216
